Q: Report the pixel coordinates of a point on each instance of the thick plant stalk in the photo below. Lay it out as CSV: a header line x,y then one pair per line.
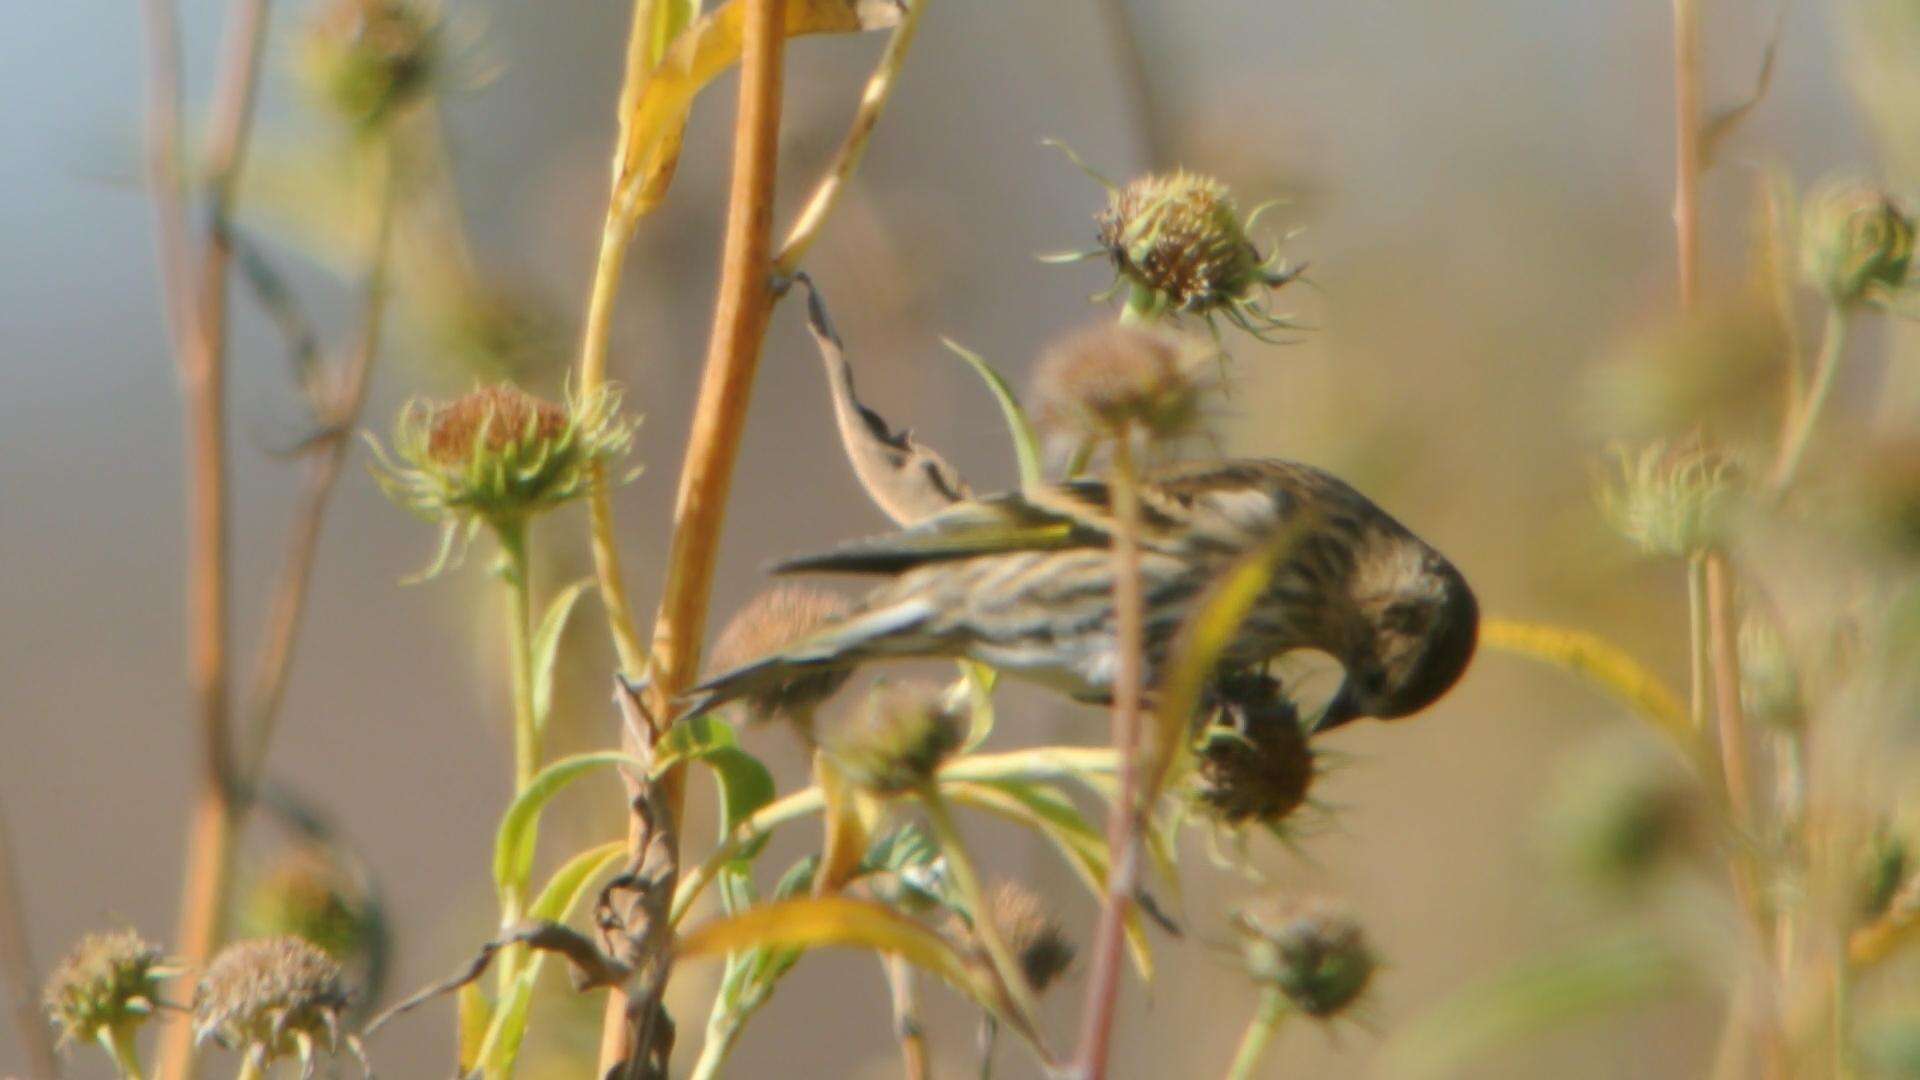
x,y
1123,821
740,321
197,315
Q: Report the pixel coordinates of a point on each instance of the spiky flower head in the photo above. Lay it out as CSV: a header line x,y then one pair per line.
x,y
1179,242
272,998
307,894
1253,761
1036,939
1855,242
498,455
785,614
1314,952
1671,498
106,987
1110,381
1769,686
906,731
370,59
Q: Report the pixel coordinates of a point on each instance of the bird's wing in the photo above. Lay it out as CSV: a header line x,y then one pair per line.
x,y
994,525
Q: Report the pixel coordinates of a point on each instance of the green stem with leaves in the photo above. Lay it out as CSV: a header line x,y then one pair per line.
x,y
1259,1034
513,571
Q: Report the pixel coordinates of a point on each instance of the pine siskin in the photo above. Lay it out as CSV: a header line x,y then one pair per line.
x,y
1024,582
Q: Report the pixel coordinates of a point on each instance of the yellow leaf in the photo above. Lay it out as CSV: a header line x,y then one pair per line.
x,y
1599,661
652,123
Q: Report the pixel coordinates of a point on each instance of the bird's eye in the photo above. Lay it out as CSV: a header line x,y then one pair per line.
x,y
1405,618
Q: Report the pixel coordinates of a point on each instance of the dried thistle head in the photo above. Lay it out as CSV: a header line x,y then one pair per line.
x,y
272,998
1671,498
1036,939
1315,952
1179,241
779,617
307,894
108,985
371,59
906,731
498,455
1855,242
1254,764
1109,381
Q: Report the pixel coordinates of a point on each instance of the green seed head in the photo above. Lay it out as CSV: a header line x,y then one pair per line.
x,y
110,982
371,59
1671,499
271,998
1314,952
907,731
500,455
1254,764
1855,242
1180,238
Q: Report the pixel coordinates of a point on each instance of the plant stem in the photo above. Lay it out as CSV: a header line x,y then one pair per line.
x,y
906,1015
1123,820
16,960
526,740
1793,448
966,882
197,319
739,324
251,1069
1726,689
1260,1032
1686,187
1697,642
340,412
120,1044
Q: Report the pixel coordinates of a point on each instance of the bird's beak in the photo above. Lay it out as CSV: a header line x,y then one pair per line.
x,y
1345,706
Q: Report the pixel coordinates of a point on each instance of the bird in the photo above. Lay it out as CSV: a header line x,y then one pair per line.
x,y
1022,581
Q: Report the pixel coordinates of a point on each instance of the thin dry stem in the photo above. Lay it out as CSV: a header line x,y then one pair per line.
x,y
740,321
907,1027
1687,160
1124,819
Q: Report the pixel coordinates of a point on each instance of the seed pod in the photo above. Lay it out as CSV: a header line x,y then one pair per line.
x,y
780,617
1314,952
1179,240
1254,764
498,454
1855,242
1108,381
272,998
109,983
906,732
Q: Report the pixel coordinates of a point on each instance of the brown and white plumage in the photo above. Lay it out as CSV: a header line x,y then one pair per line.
x,y
1024,582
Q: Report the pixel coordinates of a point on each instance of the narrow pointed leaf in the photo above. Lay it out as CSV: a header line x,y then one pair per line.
x,y
520,826
546,648
1026,446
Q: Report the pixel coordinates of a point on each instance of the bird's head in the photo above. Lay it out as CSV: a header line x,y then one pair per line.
x,y
1420,624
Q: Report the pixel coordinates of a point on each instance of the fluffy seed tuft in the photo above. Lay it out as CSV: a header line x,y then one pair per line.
x,y
770,622
271,998
1671,499
1109,380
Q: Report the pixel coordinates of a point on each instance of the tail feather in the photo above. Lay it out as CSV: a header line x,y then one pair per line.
x,y
856,639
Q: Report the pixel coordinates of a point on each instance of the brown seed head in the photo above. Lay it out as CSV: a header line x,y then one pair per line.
x,y
1254,761
769,623
1180,235
505,414
1032,934
1109,380
109,981
271,997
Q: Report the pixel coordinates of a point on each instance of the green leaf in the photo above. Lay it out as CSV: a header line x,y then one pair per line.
x,y
546,649
476,1013
980,682
569,883
1026,447
1534,997
669,18
520,825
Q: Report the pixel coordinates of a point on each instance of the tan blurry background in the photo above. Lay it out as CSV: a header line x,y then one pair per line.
x,y
1483,187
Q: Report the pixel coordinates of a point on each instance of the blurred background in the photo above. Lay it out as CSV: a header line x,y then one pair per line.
x,y
1482,192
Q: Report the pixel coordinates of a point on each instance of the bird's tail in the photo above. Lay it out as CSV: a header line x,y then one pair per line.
x,y
887,631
